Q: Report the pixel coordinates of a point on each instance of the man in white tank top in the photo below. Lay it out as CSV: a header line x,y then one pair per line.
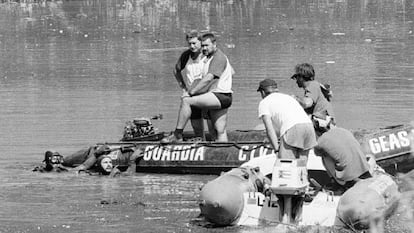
x,y
212,92
188,69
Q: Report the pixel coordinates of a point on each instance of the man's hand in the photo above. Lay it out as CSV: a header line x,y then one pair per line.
x,y
185,94
115,172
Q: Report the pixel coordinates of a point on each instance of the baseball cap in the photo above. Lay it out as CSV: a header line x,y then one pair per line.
x,y
267,83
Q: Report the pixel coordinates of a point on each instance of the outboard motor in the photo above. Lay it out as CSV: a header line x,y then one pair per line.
x,y
144,126
139,127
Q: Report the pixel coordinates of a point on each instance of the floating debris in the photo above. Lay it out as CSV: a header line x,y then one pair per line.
x,y
104,202
330,62
230,46
139,204
368,40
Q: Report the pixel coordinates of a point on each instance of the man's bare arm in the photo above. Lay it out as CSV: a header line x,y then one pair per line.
x,y
203,85
270,131
305,102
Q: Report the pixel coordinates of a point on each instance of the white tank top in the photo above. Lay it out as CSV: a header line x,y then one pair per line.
x,y
192,70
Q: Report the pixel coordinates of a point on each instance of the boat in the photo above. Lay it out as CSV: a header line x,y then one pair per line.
x,y
391,147
199,157
244,196
241,200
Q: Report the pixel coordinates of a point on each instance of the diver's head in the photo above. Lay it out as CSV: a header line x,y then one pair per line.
x,y
52,159
104,164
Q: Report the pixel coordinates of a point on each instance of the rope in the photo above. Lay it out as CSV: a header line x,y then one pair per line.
x,y
198,145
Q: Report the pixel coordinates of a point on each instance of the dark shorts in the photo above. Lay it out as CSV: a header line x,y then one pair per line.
x,y
225,99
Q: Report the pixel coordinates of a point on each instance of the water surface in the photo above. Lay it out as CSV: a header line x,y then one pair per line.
x,y
73,72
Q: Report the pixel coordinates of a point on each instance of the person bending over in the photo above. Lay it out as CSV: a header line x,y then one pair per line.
x,y
284,118
341,154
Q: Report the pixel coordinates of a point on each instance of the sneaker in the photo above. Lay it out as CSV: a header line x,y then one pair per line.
x,y
171,139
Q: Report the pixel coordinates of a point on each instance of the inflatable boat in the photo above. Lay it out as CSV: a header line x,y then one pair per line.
x,y
244,196
391,147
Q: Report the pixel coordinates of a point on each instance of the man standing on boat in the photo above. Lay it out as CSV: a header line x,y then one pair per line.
x,y
284,118
213,92
189,68
317,97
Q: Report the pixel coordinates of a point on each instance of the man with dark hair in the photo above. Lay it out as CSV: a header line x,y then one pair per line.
x,y
213,92
189,69
284,118
316,99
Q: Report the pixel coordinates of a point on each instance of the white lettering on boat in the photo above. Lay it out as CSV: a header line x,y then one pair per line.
x,y
386,143
173,153
249,152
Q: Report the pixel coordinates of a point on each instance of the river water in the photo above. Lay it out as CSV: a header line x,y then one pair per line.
x,y
73,72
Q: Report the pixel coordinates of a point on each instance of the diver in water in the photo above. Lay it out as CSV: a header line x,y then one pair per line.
x,y
52,162
103,166
98,159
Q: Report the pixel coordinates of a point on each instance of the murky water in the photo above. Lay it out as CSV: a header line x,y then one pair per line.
x,y
72,73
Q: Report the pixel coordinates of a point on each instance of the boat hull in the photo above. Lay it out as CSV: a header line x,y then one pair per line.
x,y
203,157
390,146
